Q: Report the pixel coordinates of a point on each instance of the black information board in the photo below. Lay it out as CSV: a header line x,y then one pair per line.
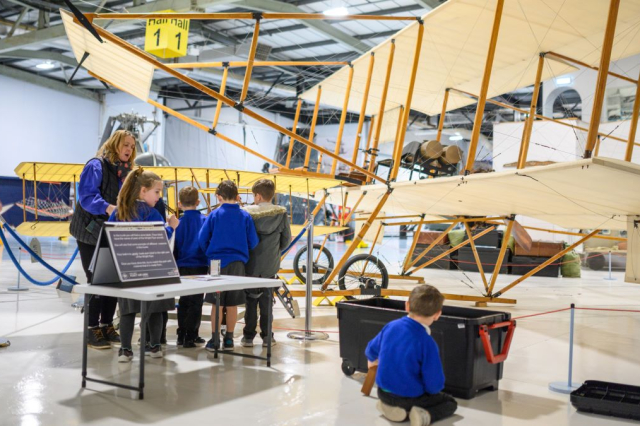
x,y
133,254
141,254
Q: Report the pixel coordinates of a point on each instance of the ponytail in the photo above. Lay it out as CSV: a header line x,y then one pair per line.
x,y
133,184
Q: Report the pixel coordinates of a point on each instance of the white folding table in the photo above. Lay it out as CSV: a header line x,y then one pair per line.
x,y
187,286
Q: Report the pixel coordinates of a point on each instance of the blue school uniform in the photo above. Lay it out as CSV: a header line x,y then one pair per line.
x,y
187,250
409,360
144,213
228,234
127,306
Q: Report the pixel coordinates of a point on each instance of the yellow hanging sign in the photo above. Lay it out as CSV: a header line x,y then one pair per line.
x,y
167,38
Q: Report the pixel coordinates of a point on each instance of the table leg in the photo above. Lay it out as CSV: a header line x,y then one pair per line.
x,y
269,327
143,344
85,340
216,333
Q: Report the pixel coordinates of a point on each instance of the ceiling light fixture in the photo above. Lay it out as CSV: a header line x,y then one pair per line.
x,y
337,11
46,65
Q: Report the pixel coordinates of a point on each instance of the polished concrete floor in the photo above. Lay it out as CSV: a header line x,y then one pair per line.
x,y
40,371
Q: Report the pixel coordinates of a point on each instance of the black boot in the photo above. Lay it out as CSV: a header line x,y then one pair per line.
x,y
110,334
96,340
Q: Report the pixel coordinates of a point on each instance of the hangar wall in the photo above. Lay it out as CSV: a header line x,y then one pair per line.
x,y
60,127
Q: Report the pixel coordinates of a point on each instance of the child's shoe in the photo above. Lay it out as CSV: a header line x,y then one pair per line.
x,y
189,344
212,345
199,341
395,414
246,342
125,355
111,335
419,417
154,351
227,345
96,340
264,342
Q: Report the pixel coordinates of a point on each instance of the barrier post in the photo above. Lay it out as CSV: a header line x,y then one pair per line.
x,y
569,386
17,287
609,278
307,334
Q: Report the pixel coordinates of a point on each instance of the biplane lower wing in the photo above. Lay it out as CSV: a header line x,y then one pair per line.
x,y
318,230
61,229
596,193
44,229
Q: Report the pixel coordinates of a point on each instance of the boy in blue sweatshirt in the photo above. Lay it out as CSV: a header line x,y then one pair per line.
x,y
410,378
228,235
191,260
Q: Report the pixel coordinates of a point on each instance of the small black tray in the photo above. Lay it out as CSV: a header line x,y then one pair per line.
x,y
609,399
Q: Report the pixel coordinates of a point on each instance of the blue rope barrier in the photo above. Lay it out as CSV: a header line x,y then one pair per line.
x,y
38,258
295,240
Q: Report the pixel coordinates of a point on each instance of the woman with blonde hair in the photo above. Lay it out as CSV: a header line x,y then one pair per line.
x,y
98,188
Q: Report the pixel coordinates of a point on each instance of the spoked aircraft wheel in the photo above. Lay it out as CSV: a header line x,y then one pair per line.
x,y
322,264
363,271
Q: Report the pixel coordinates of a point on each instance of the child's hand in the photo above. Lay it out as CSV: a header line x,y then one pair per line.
x,y
173,221
372,363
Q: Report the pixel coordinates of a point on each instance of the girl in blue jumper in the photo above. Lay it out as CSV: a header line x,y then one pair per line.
x,y
138,196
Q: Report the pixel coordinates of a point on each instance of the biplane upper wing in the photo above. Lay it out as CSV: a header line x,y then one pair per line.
x,y
597,193
49,172
299,184
454,51
111,62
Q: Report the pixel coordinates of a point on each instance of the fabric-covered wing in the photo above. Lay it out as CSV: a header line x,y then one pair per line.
x,y
586,194
284,182
109,61
454,50
44,229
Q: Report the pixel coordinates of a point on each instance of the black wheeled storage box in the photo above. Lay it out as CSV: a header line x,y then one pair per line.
x,y
457,334
608,399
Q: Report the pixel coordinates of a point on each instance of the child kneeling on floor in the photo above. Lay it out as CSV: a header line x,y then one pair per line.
x,y
139,194
274,232
228,235
410,378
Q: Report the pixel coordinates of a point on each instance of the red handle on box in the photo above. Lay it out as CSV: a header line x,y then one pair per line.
x,y
486,342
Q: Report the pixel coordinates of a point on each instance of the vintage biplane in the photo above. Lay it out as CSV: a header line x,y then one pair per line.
x,y
205,179
463,52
